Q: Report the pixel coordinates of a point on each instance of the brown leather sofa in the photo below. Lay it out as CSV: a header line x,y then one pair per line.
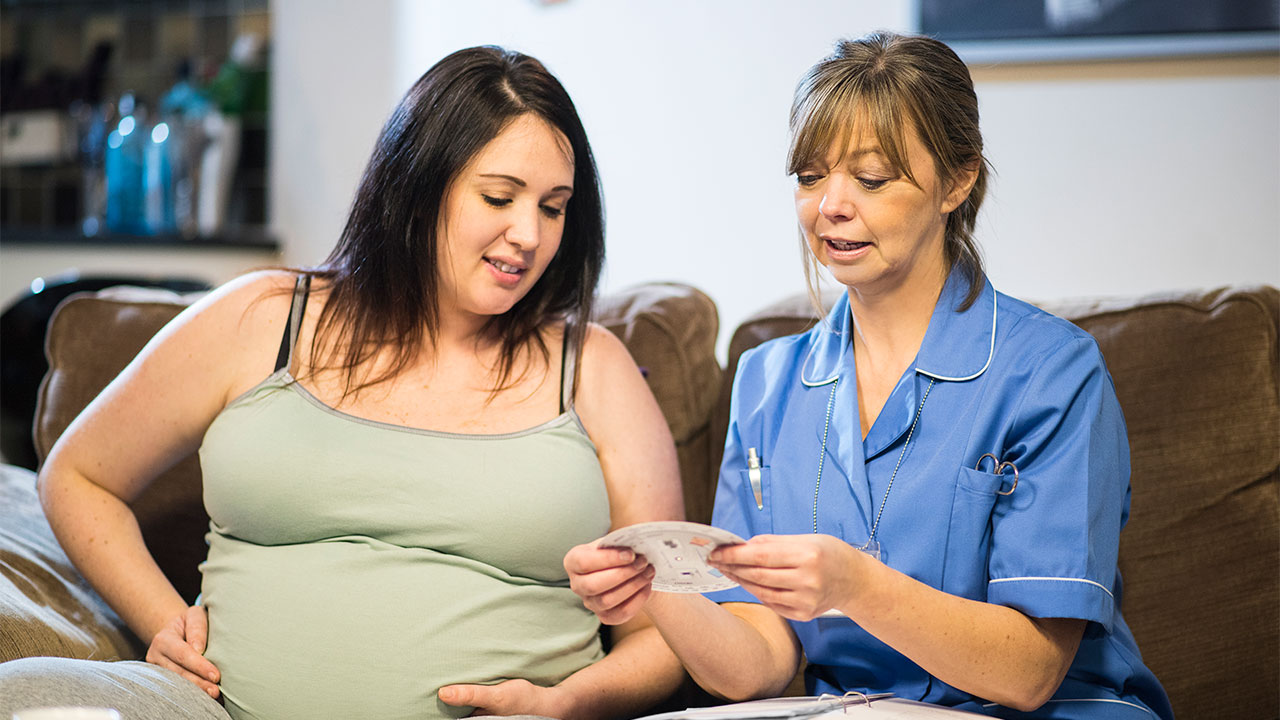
x,y
1197,373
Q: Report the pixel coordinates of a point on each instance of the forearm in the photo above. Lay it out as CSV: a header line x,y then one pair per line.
x,y
639,672
726,654
992,651
101,537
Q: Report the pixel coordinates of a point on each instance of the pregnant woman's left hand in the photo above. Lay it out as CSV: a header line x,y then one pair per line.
x,y
511,697
180,647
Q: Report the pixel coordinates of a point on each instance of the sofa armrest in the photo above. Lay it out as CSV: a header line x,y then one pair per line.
x,y
46,607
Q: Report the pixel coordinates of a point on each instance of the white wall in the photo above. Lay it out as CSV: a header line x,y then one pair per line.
x,y
1113,178
686,106
333,76
1122,178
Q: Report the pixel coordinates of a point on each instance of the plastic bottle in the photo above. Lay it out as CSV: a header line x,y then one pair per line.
x,y
93,125
124,169
157,180
175,159
227,91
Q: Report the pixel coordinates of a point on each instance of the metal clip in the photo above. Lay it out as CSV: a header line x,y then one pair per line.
x,y
845,699
998,469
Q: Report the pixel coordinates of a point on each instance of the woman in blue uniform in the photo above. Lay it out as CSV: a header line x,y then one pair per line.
x,y
934,478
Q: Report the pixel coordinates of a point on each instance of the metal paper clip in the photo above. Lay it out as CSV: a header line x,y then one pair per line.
x,y
845,699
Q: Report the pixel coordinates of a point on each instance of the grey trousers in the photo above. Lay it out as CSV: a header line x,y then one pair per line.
x,y
139,690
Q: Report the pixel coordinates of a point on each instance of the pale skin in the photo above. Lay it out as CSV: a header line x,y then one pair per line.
x,y
506,208
881,236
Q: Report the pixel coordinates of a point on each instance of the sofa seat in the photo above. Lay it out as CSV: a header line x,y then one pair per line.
x,y
46,608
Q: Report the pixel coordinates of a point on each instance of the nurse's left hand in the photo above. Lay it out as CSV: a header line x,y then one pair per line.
x,y
797,576
511,697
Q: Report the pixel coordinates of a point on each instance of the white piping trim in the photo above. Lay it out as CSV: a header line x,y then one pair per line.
x,y
807,356
1106,700
816,383
1057,579
990,353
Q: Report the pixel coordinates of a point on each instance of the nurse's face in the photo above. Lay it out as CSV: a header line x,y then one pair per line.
x,y
503,218
863,219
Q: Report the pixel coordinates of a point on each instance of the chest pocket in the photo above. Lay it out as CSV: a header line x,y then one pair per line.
x,y
761,520
969,534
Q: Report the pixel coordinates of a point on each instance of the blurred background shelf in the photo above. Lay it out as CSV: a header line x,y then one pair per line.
x,y
66,66
69,67
242,239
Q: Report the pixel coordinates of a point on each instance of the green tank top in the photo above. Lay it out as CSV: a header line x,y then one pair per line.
x,y
355,567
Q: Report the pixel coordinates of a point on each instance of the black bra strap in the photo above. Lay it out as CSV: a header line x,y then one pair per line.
x,y
297,308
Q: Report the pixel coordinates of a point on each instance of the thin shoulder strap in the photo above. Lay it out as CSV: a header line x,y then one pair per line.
x,y
568,367
297,308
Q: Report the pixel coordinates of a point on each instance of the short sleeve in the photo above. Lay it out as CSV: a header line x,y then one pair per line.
x,y
1055,539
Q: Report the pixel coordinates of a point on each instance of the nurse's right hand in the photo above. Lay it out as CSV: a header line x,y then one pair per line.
x,y
613,583
180,645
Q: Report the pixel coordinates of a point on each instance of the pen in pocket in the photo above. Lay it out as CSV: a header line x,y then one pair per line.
x,y
753,473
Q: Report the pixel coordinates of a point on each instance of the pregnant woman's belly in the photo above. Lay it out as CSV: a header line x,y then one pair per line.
x,y
354,627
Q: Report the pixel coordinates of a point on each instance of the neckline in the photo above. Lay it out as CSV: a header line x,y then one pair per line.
x,y
291,383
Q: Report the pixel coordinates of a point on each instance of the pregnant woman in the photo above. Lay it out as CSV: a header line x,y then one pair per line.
x,y
398,448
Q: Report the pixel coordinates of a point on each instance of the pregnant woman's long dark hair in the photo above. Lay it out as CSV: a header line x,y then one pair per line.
x,y
383,275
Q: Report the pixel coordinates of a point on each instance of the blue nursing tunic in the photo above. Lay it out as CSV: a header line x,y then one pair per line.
x,y
1003,378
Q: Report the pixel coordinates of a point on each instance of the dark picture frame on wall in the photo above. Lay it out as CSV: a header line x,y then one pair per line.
x,y
991,31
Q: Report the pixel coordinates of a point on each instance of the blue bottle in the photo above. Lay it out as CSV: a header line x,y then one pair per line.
x,y
182,112
123,167
157,179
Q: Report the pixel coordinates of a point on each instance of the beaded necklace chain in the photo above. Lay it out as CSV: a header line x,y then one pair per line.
x,y
871,539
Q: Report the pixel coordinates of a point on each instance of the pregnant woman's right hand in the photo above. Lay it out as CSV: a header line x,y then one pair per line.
x,y
180,645
613,583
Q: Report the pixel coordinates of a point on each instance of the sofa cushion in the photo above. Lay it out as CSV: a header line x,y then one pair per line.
x,y
46,608
670,330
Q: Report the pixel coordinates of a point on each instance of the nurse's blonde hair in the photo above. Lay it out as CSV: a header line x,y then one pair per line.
x,y
879,82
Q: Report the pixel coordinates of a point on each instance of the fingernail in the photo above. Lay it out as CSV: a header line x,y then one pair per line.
x,y
213,676
628,556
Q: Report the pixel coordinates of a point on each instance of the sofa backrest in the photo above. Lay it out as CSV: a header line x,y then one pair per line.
x,y
91,338
669,328
1198,379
